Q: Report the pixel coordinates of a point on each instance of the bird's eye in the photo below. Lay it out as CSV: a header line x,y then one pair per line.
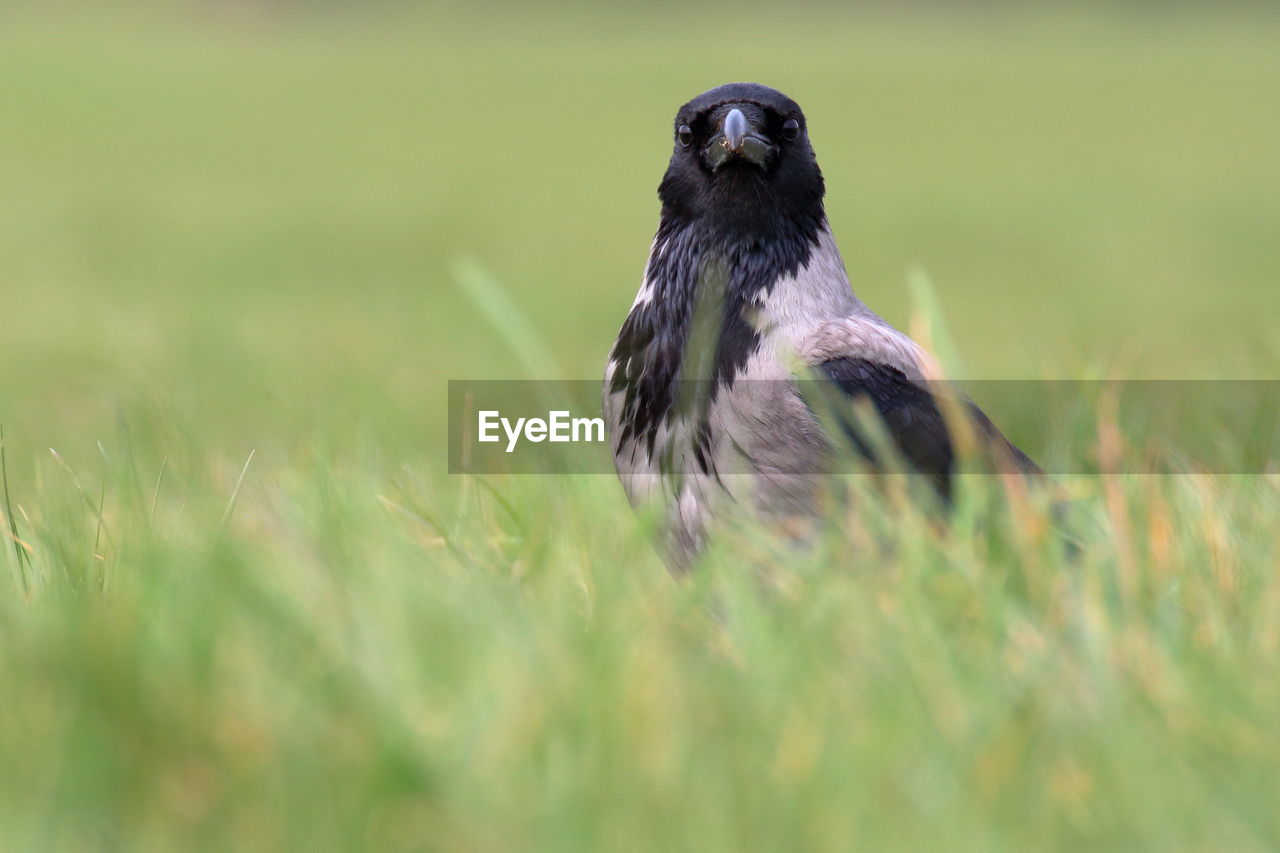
x,y
685,135
791,128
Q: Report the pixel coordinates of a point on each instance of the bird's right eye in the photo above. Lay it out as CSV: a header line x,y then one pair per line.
x,y
685,135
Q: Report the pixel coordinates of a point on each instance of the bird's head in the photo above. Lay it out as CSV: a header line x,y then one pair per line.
x,y
742,157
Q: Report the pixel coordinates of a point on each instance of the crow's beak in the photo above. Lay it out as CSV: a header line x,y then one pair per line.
x,y
738,139
735,130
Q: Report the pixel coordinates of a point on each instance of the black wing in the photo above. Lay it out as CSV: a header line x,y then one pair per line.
x,y
914,420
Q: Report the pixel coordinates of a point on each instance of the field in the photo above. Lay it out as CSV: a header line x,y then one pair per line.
x,y
244,606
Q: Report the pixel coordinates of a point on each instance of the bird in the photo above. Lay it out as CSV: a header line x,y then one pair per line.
x,y
745,301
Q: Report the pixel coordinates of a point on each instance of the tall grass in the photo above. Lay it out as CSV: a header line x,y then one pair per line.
x,y
361,658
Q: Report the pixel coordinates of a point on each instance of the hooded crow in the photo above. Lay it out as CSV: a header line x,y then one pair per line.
x,y
744,294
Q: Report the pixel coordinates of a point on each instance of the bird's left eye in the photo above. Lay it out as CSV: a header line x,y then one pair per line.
x,y
685,135
791,128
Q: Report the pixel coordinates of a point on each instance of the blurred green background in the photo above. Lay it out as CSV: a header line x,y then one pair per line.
x,y
246,213
229,227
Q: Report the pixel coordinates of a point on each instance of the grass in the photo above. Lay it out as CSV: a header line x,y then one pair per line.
x,y
243,605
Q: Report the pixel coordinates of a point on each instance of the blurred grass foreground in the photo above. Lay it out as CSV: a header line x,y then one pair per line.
x,y
242,605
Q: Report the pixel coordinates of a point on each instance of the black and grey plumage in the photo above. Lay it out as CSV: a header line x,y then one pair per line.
x,y
745,292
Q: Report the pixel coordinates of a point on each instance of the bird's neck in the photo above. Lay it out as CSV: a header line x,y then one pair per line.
x,y
736,259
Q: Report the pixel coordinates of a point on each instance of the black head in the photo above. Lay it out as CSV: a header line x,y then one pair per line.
x,y
742,159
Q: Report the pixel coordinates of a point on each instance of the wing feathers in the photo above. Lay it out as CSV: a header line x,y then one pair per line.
x,y
915,421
